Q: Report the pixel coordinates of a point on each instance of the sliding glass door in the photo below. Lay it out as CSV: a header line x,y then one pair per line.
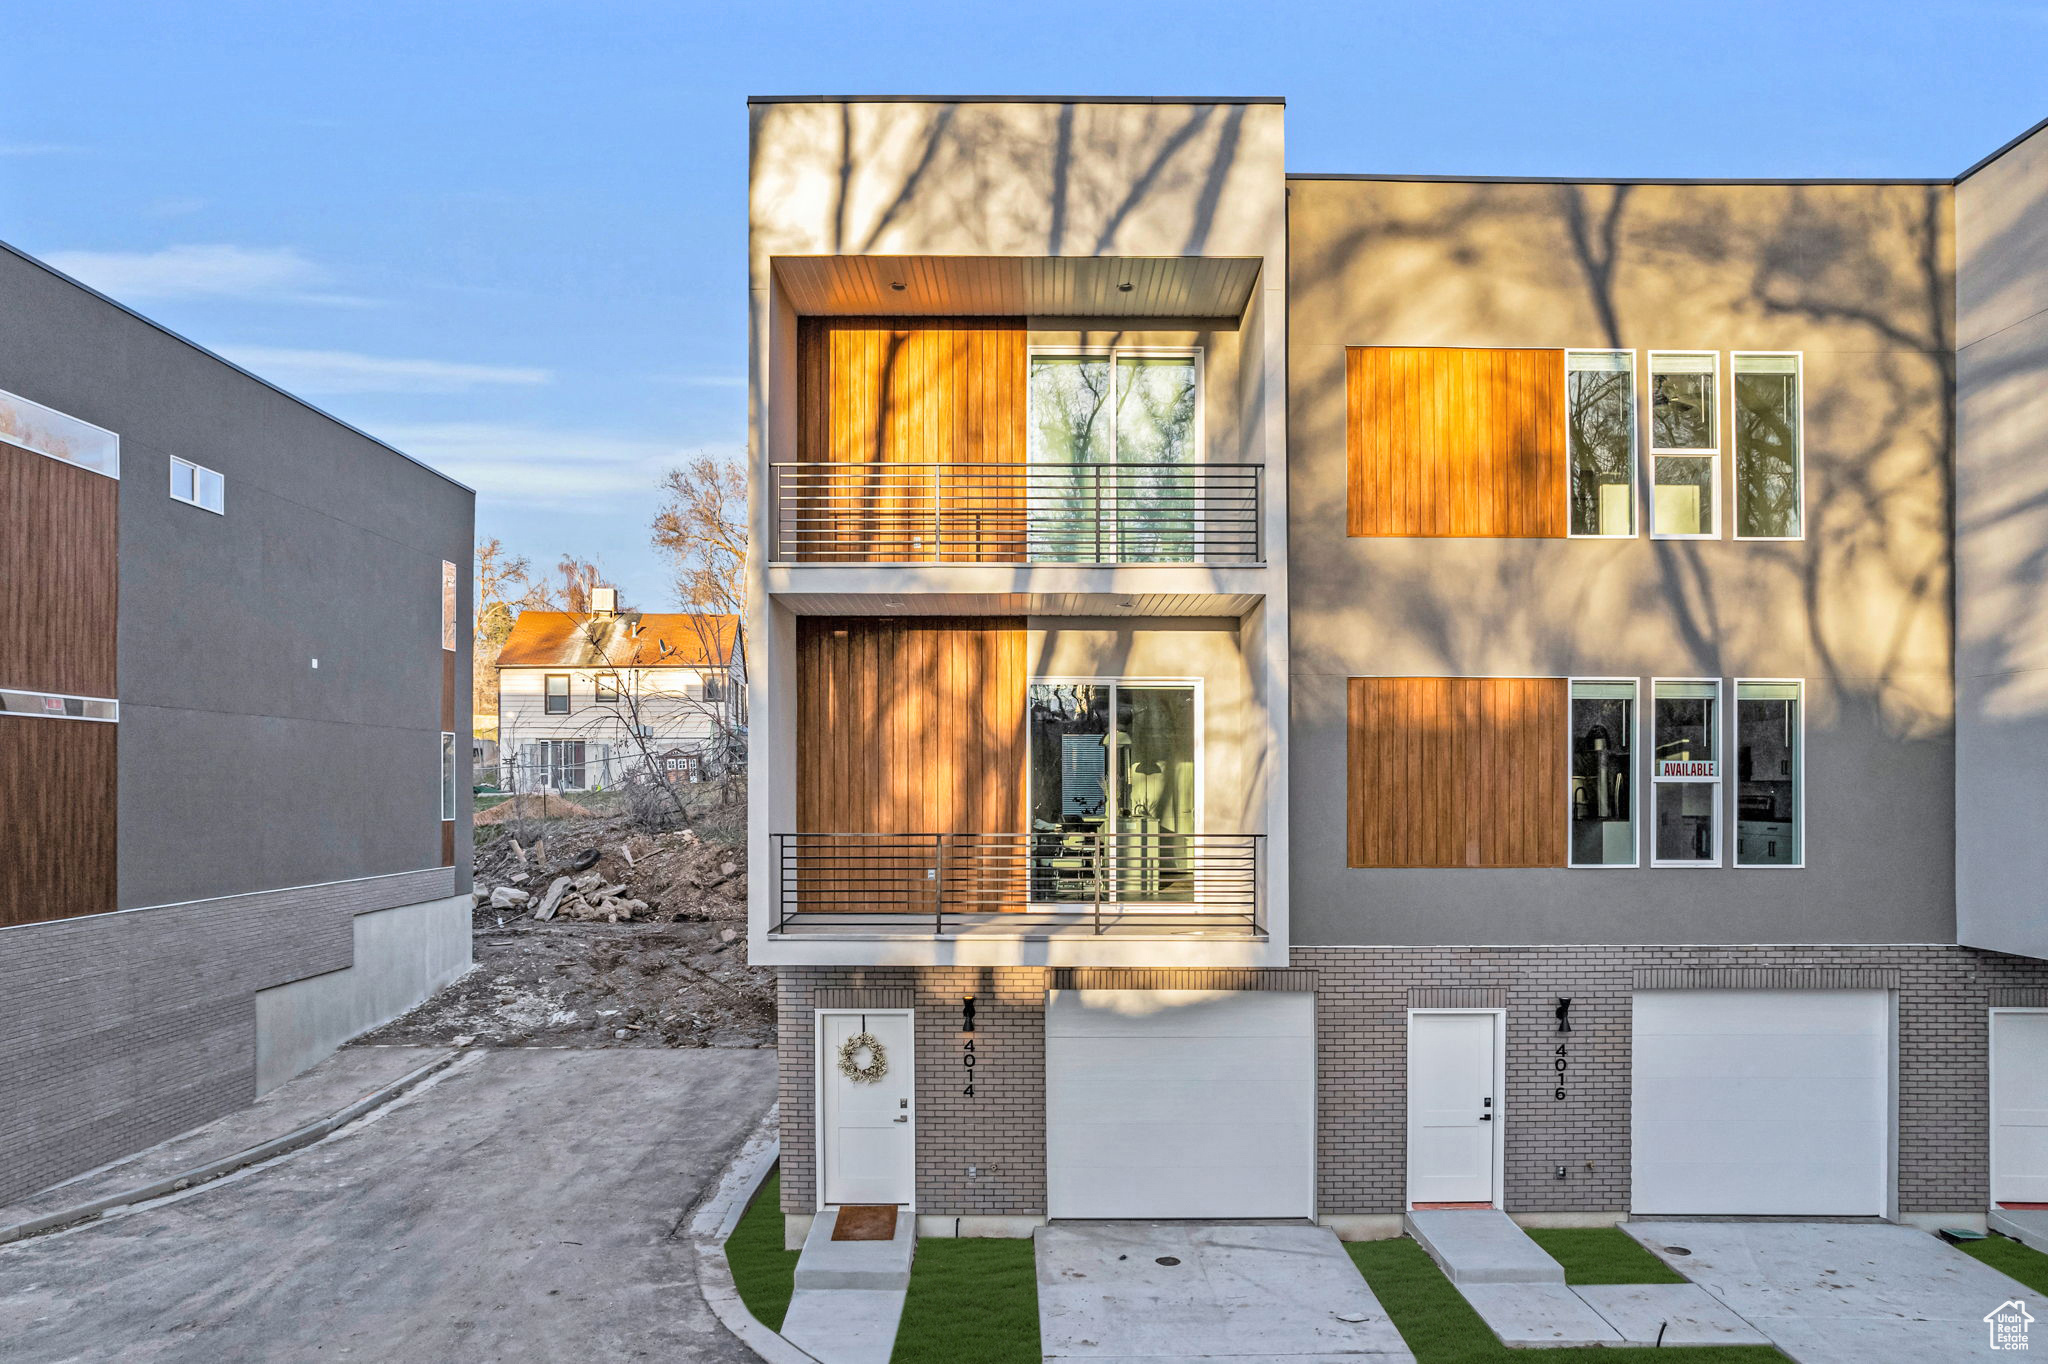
x,y
1114,791
1123,426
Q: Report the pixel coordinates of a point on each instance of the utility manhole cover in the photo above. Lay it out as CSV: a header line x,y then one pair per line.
x,y
1168,1260
1676,1250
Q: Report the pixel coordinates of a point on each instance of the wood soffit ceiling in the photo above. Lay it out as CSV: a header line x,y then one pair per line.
x,y
1031,286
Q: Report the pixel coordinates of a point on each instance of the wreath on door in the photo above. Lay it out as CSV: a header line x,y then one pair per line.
x,y
849,1058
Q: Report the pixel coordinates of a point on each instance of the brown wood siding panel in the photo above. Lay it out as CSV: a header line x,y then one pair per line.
x,y
1456,772
59,575
914,391
447,842
448,691
57,852
910,727
1444,442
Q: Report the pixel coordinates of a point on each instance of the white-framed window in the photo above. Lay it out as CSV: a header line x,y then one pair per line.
x,y
1685,772
198,485
447,776
1769,420
1685,444
447,605
555,694
606,687
1122,421
1601,800
1600,442
1770,772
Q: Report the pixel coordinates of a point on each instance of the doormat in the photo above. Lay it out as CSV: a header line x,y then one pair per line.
x,y
865,1222
2023,1207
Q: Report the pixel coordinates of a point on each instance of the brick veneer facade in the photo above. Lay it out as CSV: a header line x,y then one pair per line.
x,y
123,1029
1363,995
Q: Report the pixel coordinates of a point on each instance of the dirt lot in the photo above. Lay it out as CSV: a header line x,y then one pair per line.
x,y
645,945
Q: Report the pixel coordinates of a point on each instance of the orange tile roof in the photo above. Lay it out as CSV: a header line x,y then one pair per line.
x,y
631,639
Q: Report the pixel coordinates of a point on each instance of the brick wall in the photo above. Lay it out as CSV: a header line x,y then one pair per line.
x,y
119,1030
1361,1016
1000,1131
1363,995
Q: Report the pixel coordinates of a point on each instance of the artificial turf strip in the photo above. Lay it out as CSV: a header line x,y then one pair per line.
x,y
973,1299
2012,1259
1602,1255
762,1271
1441,1327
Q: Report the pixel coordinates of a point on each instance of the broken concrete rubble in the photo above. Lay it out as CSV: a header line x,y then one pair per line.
x,y
508,897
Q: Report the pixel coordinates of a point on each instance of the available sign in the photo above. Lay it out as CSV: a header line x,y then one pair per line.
x,y
1682,769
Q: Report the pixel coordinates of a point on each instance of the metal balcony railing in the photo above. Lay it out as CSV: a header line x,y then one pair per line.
x,y
1108,882
1017,513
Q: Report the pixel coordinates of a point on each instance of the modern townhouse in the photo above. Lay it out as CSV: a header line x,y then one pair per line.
x,y
233,671
587,698
1308,696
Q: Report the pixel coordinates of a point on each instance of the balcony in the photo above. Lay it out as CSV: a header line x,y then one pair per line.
x,y
959,513
1039,884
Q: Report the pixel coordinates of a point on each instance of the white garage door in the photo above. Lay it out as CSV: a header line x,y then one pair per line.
x,y
1179,1103
1762,1102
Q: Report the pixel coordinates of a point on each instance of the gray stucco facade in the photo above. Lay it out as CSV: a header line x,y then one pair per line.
x,y
263,802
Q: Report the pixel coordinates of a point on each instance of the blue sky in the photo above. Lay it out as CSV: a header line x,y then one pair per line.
x,y
509,237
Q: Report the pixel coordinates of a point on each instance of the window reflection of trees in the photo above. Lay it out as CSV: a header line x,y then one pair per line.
x,y
1767,454
1599,425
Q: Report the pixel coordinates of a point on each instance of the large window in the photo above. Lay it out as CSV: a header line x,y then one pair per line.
x,y
1126,423
1600,433
1685,443
1685,771
556,694
1769,772
1112,786
1769,468
1603,788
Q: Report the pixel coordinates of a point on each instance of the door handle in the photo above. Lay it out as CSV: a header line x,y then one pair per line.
x,y
901,1117
1486,1117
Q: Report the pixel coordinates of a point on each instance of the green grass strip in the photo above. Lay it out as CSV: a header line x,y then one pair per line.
x,y
762,1270
970,1299
1602,1255
2012,1259
1441,1327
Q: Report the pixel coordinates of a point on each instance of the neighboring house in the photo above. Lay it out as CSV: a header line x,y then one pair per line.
x,y
230,692
586,698
1306,695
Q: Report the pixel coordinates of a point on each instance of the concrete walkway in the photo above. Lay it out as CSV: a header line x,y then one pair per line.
x,y
1179,1292
521,1205
2028,1226
849,1294
1840,1293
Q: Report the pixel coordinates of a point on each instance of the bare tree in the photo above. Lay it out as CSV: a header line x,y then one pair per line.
x,y
504,587
702,529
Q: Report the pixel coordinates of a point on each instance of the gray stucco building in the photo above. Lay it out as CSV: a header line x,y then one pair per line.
x,y
233,660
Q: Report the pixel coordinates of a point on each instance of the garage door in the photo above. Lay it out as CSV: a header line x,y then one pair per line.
x,y
1179,1103
1762,1102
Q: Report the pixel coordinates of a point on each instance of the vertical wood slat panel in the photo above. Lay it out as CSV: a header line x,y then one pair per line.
x,y
914,391
1456,772
1450,442
57,849
59,576
909,726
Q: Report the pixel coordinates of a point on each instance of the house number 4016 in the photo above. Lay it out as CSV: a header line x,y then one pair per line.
x,y
1561,1065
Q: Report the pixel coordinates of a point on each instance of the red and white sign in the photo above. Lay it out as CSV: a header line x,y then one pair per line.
x,y
1683,769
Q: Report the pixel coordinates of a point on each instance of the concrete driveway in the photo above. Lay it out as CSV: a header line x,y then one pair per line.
x,y
1841,1293
519,1206
1167,1292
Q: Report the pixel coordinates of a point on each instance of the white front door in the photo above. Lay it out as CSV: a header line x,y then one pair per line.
x,y
2019,1106
866,1128
1453,1108
1761,1103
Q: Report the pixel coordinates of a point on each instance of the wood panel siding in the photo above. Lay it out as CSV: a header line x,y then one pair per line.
x,y
926,391
1455,442
906,726
59,576
57,850
1457,772
448,692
